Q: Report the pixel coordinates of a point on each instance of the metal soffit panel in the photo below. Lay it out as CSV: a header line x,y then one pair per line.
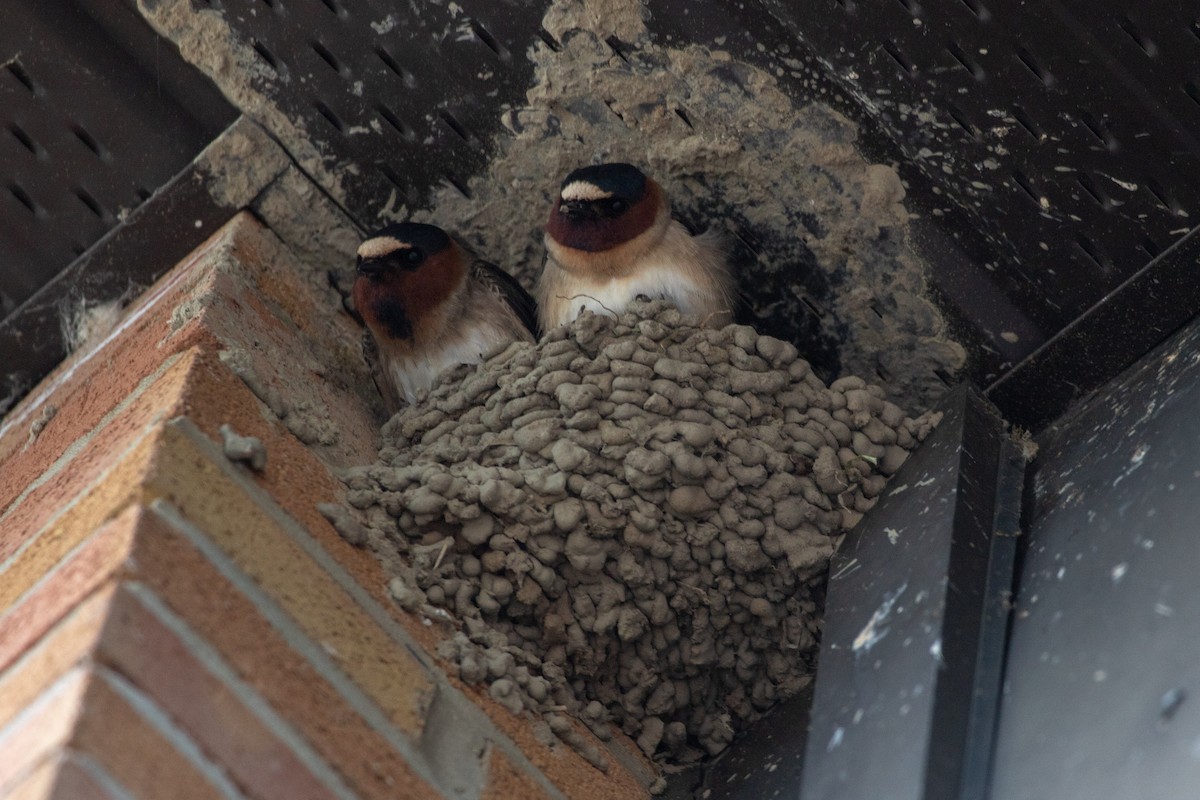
x,y
88,132
1070,130
410,95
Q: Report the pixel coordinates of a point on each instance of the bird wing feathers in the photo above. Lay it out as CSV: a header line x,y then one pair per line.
x,y
505,286
383,381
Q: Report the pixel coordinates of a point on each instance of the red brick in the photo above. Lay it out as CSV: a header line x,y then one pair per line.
x,y
190,480
86,570
133,750
139,646
76,782
39,733
68,644
505,780
565,768
85,388
228,620
158,401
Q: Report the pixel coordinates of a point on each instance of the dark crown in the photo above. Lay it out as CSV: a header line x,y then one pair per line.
x,y
623,181
421,241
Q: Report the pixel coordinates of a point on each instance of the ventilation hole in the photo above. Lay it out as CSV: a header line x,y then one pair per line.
x,y
91,202
266,55
18,72
679,112
1099,129
961,118
335,7
812,306
390,118
144,193
1149,246
966,61
1089,186
549,40
978,9
1025,121
747,240
615,45
1028,187
486,37
396,181
78,249
1193,91
268,3
23,197
944,377
1031,63
899,57
454,125
912,6
90,142
849,6
395,67
1139,38
459,185
1164,199
329,58
882,374
1090,249
330,117
26,140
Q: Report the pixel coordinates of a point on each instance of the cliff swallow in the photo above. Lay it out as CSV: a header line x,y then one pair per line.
x,y
611,237
429,305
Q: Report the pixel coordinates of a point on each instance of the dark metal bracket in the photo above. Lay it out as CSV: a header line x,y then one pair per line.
x,y
910,669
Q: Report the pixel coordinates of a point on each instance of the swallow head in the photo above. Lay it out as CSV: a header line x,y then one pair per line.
x,y
406,272
602,207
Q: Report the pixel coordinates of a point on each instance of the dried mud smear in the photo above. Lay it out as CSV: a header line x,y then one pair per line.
x,y
734,152
632,520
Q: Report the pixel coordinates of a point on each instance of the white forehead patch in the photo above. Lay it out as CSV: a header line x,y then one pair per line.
x,y
582,190
381,246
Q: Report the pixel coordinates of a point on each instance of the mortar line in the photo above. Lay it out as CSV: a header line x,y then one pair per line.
x,y
96,771
63,563
77,446
363,598
298,639
118,460
147,302
161,722
65,683
211,661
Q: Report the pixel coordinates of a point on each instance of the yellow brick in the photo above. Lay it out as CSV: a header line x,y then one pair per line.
x,y
381,667
132,438
43,729
71,641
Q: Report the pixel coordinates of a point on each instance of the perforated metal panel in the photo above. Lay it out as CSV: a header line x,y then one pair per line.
x,y
1070,130
89,131
1051,150
409,93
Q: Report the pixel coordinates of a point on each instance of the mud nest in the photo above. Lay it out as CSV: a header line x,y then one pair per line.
x,y
631,521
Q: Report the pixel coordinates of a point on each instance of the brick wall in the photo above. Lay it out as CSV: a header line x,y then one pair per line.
x,y
177,624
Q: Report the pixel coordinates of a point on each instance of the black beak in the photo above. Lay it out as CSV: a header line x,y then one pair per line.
x,y
371,268
575,209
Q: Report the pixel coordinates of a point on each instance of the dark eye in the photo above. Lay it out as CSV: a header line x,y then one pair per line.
x,y
413,255
617,206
